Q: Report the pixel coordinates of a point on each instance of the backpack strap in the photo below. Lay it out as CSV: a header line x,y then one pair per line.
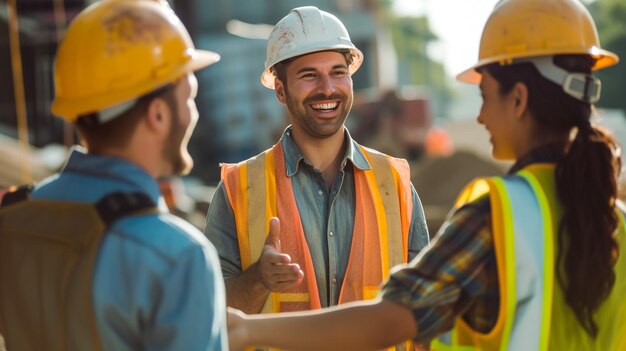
x,y
120,204
111,207
13,196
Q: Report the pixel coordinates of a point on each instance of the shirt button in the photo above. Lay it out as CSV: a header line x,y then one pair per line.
x,y
334,280
331,233
320,193
334,192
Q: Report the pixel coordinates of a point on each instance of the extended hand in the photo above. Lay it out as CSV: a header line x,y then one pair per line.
x,y
277,272
237,333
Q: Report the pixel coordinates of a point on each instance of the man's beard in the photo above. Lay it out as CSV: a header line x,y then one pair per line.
x,y
309,124
175,151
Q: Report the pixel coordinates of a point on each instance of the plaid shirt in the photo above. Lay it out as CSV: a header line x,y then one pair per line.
x,y
457,275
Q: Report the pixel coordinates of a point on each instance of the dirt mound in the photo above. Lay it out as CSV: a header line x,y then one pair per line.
x,y
439,180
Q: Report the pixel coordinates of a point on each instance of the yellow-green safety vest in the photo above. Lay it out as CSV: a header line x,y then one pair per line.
x,y
533,314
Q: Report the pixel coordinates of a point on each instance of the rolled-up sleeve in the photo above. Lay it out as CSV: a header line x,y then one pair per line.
x,y
221,230
418,232
445,279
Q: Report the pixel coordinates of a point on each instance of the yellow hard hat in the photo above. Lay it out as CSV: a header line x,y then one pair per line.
x,y
533,28
115,51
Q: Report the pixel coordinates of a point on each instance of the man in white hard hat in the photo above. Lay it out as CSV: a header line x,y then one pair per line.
x,y
93,260
511,269
345,214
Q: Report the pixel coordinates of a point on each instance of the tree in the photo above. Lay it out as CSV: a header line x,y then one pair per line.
x,y
609,16
411,37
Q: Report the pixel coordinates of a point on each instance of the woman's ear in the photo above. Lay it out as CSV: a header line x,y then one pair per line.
x,y
520,95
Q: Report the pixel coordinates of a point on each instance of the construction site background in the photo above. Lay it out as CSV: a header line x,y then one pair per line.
x,y
405,104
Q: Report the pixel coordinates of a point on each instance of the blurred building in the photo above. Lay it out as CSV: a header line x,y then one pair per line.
x,y
41,23
231,99
238,116
395,121
398,92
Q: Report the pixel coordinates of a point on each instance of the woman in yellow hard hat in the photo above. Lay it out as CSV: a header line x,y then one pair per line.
x,y
528,261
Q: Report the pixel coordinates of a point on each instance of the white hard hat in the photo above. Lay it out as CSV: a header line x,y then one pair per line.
x,y
303,31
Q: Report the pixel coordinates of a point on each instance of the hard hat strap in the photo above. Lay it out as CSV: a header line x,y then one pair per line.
x,y
581,86
110,113
584,87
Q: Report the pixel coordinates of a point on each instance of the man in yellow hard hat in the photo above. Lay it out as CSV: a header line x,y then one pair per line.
x,y
91,259
345,214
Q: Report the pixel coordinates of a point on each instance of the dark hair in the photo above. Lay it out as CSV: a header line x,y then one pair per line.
x,y
118,131
280,69
586,184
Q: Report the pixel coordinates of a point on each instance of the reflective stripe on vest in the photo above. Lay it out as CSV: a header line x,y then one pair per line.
x,y
532,311
259,189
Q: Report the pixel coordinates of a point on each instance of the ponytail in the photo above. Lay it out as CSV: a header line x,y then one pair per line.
x,y
586,182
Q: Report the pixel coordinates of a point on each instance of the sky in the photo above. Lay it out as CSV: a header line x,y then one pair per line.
x,y
458,32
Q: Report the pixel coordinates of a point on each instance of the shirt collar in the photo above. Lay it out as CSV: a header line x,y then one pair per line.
x,y
114,168
293,156
550,153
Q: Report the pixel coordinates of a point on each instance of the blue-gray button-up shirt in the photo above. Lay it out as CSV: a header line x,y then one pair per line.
x,y
327,218
157,283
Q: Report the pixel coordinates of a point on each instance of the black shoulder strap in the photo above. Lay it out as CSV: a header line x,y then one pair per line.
x,y
111,207
120,204
17,195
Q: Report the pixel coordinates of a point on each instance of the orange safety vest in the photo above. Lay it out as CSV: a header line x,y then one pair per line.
x,y
259,189
533,314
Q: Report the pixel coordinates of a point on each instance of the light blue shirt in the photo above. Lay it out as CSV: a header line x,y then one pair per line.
x,y
157,283
322,212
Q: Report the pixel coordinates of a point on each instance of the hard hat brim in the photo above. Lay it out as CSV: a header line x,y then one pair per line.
x,y
71,108
267,78
603,58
